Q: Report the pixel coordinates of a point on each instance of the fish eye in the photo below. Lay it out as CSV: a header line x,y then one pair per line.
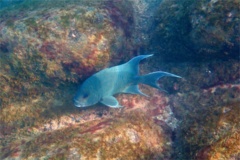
x,y
85,95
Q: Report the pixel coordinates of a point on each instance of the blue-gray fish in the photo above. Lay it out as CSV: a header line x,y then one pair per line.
x,y
124,78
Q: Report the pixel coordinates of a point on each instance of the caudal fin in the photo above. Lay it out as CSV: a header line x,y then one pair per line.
x,y
152,78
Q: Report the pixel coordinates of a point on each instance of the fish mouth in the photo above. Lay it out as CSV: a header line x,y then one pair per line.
x,y
77,104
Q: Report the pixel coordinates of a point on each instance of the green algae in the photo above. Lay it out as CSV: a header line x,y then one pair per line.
x,y
65,20
10,23
31,22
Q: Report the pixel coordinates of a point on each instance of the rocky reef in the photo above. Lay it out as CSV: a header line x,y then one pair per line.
x,y
196,30
62,44
205,103
200,42
47,49
142,130
225,142
126,137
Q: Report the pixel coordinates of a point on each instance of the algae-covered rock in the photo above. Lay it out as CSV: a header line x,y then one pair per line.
x,y
97,134
45,42
62,43
48,47
37,116
207,106
227,145
197,30
205,101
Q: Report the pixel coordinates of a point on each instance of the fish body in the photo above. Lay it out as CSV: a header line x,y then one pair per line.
x,y
124,78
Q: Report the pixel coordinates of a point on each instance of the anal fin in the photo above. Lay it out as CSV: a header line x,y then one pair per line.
x,y
133,89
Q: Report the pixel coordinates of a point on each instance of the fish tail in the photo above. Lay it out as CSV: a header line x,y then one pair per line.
x,y
152,78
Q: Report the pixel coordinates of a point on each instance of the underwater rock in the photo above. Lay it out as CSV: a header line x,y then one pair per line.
x,y
228,144
60,43
197,30
99,133
51,44
227,148
207,106
47,48
44,124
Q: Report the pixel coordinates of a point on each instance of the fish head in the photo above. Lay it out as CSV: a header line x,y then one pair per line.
x,y
87,95
85,99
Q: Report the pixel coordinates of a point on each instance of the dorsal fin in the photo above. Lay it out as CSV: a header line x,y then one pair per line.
x,y
135,61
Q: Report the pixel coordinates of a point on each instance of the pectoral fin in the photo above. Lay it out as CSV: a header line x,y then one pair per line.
x,y
110,101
